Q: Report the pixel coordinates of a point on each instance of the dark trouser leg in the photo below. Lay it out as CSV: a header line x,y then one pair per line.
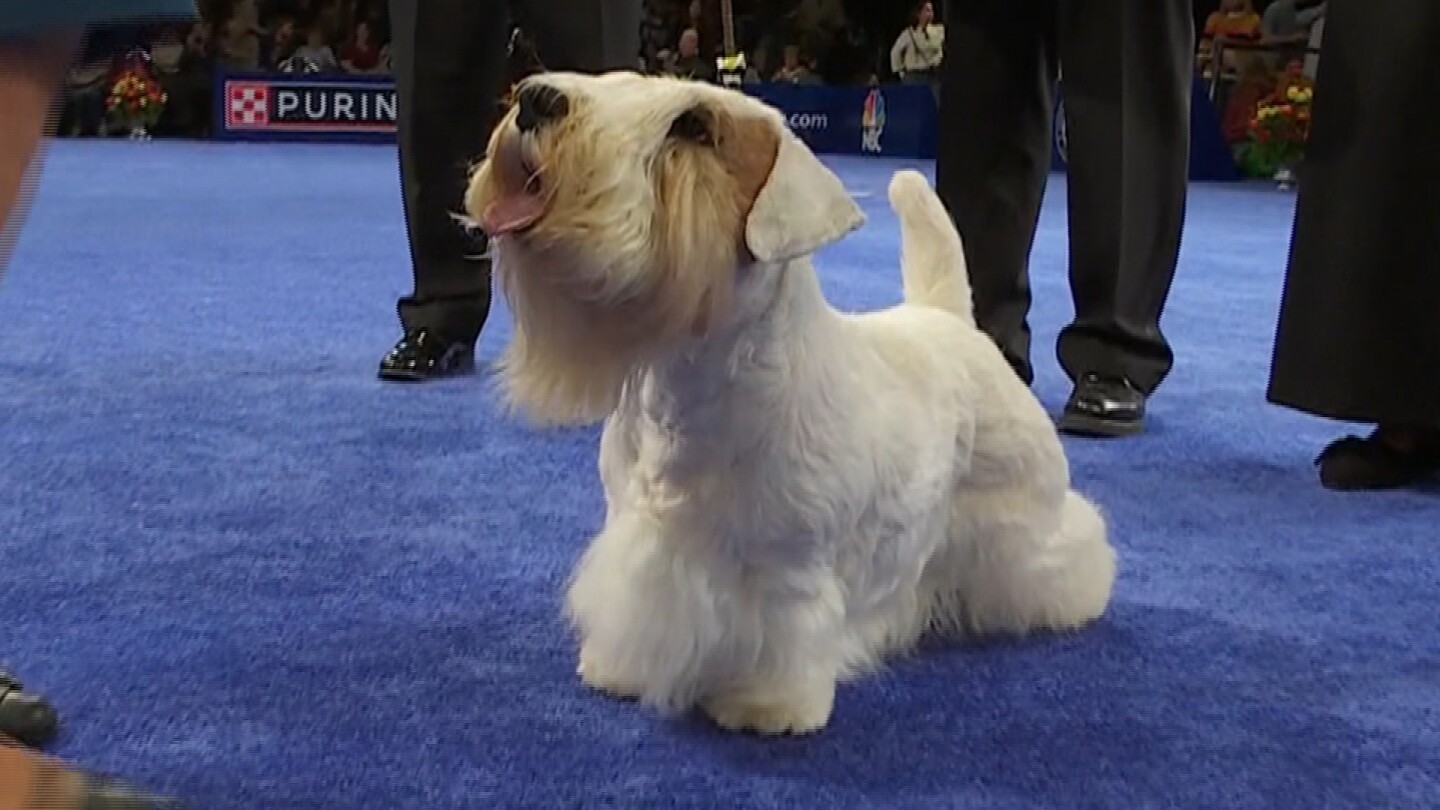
x,y
994,154
1127,79
587,36
449,63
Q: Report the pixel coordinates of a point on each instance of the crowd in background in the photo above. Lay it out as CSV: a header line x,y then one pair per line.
x,y
1246,48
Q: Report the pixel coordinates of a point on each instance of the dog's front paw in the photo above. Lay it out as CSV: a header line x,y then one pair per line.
x,y
605,679
799,711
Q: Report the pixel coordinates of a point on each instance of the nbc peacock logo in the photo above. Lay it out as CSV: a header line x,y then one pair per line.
x,y
872,122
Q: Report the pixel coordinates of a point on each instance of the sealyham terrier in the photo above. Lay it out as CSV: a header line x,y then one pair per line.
x,y
793,493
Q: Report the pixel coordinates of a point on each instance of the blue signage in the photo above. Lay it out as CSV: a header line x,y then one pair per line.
x,y
305,107
893,120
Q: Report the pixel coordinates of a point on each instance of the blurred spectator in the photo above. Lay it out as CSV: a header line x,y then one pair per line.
x,y
1288,22
284,39
1256,83
362,54
687,61
316,50
1285,27
189,87
704,18
1234,21
793,69
240,38
918,51
84,99
654,35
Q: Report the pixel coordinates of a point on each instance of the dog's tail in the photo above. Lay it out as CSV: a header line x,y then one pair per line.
x,y
932,257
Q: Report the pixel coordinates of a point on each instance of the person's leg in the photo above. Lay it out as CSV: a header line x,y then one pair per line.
x,y
449,59
993,154
31,73
1127,85
589,36
1357,339
36,45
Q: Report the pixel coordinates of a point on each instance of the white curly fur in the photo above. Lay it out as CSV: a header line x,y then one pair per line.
x,y
794,493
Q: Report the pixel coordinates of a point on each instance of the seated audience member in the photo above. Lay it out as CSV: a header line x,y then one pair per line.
x,y
1234,22
1288,22
793,70
239,45
704,19
1358,338
281,44
316,51
362,54
1255,85
687,63
1286,26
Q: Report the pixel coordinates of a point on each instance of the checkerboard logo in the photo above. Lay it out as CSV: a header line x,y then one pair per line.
x,y
249,104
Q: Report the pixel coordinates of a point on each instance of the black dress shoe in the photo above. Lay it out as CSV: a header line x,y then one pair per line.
x,y
423,354
1104,406
24,717
1371,463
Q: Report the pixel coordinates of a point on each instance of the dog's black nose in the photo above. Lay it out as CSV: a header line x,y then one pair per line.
x,y
540,104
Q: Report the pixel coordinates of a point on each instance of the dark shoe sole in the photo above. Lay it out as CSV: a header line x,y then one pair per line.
x,y
405,375
1354,464
1095,427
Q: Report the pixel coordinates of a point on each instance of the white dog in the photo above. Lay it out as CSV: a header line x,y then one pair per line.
x,y
794,493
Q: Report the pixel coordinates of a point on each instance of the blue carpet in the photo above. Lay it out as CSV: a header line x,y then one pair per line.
x,y
254,576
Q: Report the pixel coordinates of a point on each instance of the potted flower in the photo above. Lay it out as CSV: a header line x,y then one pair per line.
x,y
135,101
1278,131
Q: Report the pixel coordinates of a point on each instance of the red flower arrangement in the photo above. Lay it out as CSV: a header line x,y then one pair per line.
x,y
1279,129
136,101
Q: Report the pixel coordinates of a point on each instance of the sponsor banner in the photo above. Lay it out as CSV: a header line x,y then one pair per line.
x,y
1211,159
893,120
305,107
890,120
885,120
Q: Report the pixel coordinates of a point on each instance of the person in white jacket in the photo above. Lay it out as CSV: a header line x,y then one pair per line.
x,y
918,51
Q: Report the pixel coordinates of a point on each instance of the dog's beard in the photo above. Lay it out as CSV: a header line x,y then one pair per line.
x,y
597,291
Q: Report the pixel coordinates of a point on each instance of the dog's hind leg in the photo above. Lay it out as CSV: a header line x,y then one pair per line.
x,y
1017,565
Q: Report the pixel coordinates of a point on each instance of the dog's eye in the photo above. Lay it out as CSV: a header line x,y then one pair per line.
x,y
693,126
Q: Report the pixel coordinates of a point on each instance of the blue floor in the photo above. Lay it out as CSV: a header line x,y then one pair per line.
x,y
254,576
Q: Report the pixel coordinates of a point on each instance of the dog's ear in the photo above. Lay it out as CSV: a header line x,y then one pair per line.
x,y
801,205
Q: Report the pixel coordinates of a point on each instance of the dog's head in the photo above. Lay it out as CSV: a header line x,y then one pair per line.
x,y
629,215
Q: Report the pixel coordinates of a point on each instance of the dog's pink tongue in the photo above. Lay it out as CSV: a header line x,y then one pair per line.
x,y
511,213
